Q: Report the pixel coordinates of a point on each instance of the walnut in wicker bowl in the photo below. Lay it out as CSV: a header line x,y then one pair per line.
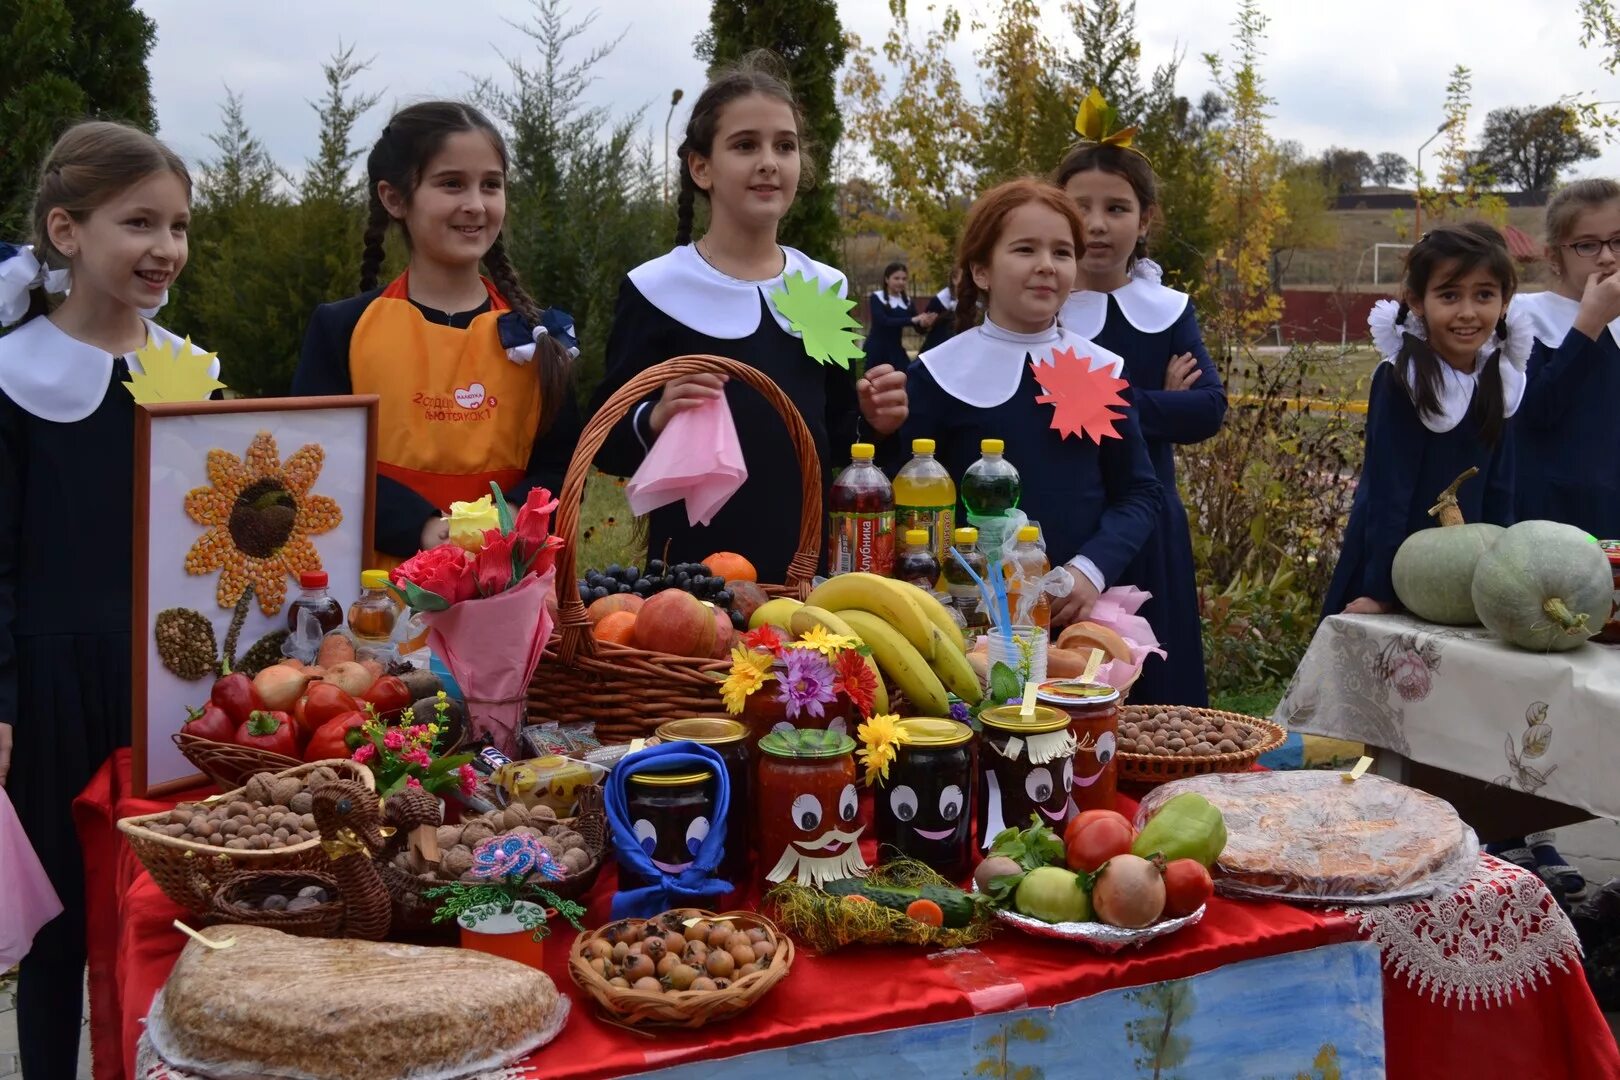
x,y
688,966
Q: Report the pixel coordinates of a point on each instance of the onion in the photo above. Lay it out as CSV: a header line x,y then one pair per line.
x,y
1128,892
278,686
350,677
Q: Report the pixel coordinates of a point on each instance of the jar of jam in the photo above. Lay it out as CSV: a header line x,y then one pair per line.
x,y
1026,764
1611,629
317,601
806,808
1093,711
728,738
925,809
669,814
373,615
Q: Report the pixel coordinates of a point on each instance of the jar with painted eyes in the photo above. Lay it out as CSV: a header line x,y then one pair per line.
x,y
732,741
1026,767
1093,711
669,815
807,810
925,809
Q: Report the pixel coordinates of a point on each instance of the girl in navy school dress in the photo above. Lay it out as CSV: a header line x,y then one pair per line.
x,y
742,152
940,314
1120,304
891,312
110,220
1096,504
1452,376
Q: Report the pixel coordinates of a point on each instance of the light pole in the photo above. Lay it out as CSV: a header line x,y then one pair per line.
x,y
1417,231
674,100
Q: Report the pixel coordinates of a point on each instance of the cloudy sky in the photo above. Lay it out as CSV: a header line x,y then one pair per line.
x,y
1369,75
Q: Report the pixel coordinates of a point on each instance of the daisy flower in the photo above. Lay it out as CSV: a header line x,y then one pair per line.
x,y
749,671
824,641
856,679
807,684
879,737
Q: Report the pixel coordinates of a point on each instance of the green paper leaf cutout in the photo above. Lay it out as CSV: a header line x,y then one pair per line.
x,y
822,318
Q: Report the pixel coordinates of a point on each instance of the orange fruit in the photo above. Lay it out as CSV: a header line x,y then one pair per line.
x,y
619,628
731,566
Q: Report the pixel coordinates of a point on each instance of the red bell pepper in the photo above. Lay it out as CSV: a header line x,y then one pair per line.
x,y
322,703
211,722
337,738
235,694
388,695
272,731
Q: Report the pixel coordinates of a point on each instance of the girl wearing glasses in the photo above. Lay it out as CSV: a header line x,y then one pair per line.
x,y
1568,444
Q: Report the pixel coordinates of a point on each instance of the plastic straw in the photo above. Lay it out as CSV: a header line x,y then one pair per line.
x,y
999,581
984,589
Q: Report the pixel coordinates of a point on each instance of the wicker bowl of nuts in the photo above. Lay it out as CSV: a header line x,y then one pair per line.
x,y
1158,743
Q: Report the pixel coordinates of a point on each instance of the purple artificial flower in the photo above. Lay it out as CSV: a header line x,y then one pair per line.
x,y
960,711
807,684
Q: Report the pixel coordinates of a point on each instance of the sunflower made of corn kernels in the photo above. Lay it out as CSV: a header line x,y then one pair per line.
x,y
259,515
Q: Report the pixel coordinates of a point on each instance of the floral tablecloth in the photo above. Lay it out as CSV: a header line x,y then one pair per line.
x,y
1458,699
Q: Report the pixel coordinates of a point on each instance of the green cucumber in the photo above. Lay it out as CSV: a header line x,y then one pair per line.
x,y
955,905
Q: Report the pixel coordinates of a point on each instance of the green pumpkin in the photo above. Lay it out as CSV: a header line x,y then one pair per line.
x,y
1544,587
1433,573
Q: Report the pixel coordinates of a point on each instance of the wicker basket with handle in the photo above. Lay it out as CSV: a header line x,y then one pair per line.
x,y
628,692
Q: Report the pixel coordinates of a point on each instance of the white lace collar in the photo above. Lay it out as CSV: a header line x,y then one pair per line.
x,y
946,298
899,303
59,378
1552,315
1457,387
983,366
1146,304
685,287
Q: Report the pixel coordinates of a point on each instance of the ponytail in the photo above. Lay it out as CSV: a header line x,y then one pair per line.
x,y
551,360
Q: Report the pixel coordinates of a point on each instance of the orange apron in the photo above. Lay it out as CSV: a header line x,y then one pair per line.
x,y
455,413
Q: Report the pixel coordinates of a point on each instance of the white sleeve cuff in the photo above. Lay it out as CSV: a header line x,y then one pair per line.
x,y
635,425
1088,568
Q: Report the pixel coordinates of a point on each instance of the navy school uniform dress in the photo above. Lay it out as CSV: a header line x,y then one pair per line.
x,y
890,317
67,433
942,304
1566,440
676,305
1096,505
1411,458
1147,324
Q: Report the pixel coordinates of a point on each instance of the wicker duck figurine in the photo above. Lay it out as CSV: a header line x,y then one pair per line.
x,y
416,815
348,817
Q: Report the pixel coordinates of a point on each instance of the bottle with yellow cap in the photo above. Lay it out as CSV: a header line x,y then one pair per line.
x,y
916,563
990,491
963,589
373,615
925,498
1023,569
861,517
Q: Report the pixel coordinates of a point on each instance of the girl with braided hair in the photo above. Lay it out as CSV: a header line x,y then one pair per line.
x,y
1452,376
744,155
474,378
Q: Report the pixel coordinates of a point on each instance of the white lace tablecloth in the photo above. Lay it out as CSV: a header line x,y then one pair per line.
x,y
1457,699
1499,936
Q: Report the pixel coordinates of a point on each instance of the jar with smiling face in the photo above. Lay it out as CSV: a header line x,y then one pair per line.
x,y
670,815
924,810
807,809
1026,767
1093,711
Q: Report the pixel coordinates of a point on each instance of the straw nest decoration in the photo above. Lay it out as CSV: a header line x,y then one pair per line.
x,y
826,923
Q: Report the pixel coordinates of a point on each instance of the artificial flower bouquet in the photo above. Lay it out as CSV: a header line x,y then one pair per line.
x,y
820,679
509,876
412,756
484,597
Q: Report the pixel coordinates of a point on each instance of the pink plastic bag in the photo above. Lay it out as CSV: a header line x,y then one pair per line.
x,y
697,458
27,901
1117,609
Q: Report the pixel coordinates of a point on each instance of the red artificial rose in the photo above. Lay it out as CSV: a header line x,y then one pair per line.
x,y
446,571
532,531
493,564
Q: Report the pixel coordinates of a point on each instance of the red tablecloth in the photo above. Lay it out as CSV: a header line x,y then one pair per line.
x,y
1556,1031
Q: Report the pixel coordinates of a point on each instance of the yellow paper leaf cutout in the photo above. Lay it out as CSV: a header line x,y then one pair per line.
x,y
177,375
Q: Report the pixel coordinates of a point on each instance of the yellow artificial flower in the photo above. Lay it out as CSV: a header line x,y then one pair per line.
x,y
824,641
470,520
749,671
880,737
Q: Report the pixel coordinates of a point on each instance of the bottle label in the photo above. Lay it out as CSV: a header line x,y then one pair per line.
x,y
939,521
861,542
965,599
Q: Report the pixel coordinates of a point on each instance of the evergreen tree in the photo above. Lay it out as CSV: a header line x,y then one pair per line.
x,y
64,60
1029,109
807,36
1108,54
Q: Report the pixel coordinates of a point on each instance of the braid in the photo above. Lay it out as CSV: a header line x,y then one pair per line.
x,y
1401,312
553,363
967,302
1494,408
684,203
1502,327
371,256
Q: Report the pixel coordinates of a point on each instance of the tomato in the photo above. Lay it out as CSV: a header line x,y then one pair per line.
x,y
211,722
337,738
320,706
272,731
1093,815
1187,887
389,695
1091,843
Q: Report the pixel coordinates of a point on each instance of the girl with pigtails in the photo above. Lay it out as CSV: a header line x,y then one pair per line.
x,y
474,379
1453,374
743,153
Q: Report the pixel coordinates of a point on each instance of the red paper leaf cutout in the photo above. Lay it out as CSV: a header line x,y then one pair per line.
x,y
1082,400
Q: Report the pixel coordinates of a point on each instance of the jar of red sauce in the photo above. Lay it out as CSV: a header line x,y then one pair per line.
x,y
1093,711
1611,629
730,739
806,808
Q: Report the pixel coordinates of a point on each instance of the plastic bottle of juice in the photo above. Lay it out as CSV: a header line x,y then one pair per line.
x,y
963,589
373,615
990,491
925,498
861,522
1028,562
916,562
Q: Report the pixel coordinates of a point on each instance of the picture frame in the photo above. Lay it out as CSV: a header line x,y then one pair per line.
x,y
172,570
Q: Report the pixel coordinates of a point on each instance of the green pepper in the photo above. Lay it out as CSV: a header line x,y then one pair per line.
x,y
1186,827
